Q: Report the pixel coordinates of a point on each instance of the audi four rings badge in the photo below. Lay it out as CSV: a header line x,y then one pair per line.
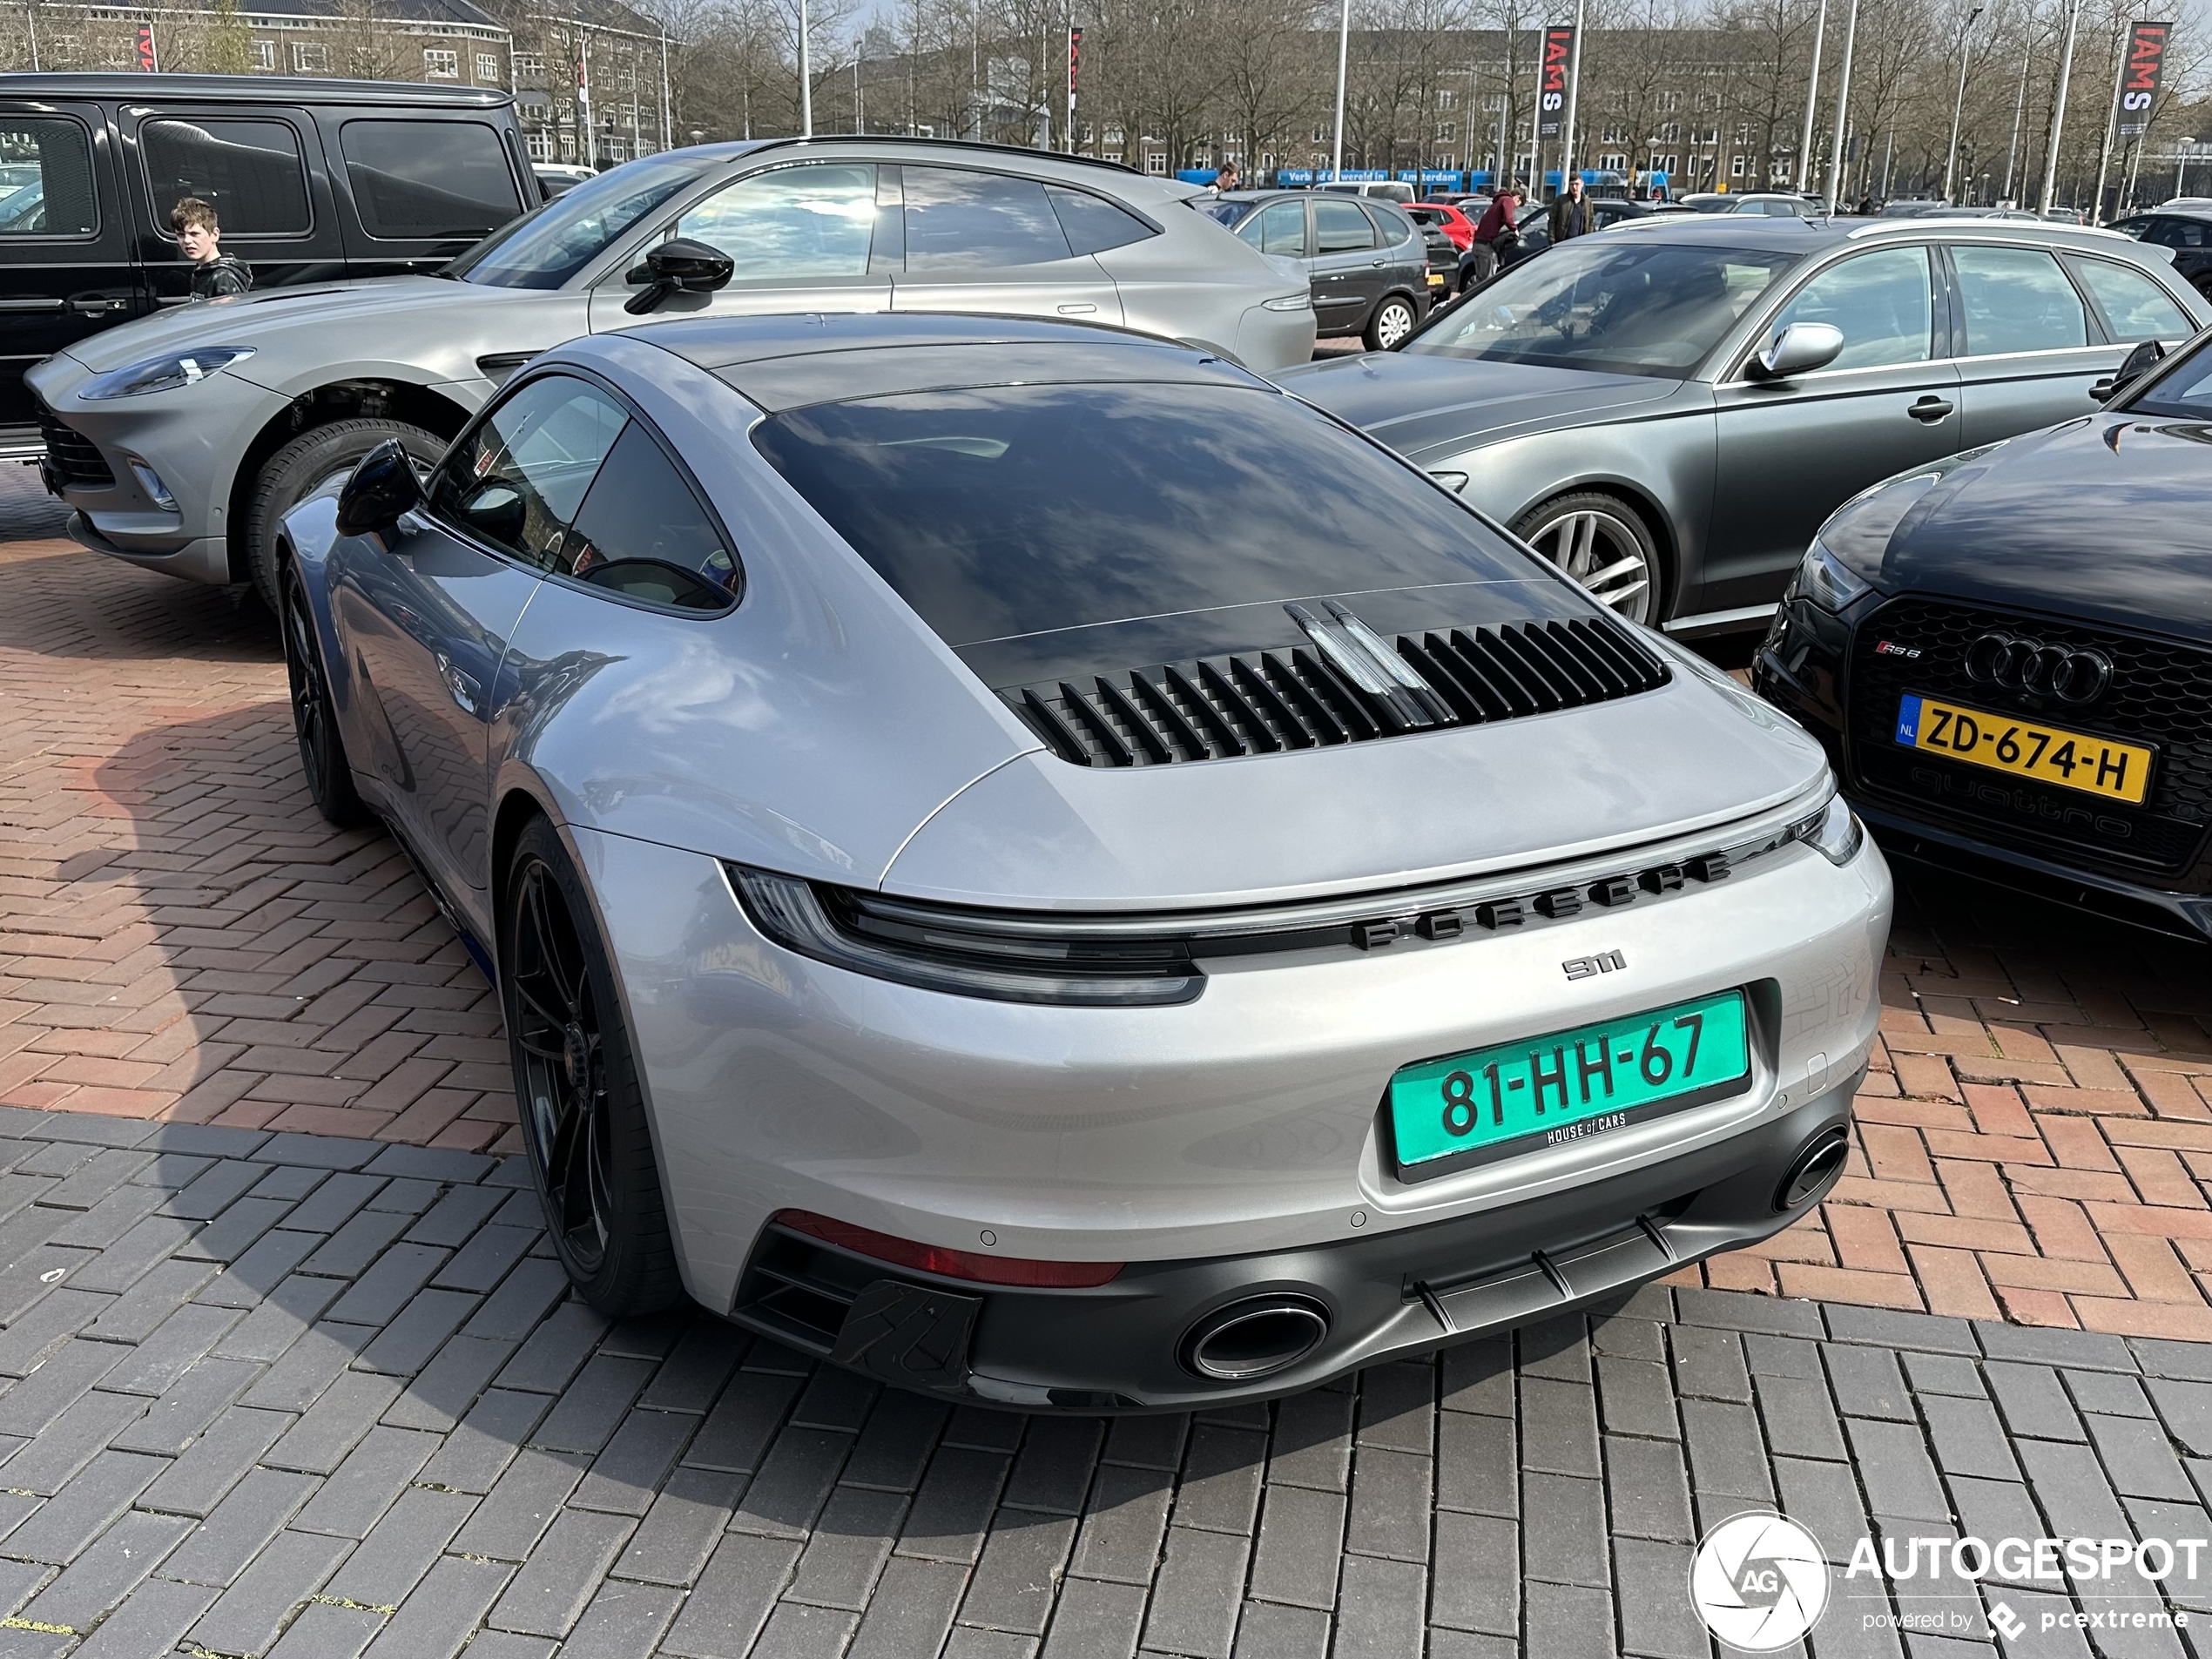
x,y
2074,675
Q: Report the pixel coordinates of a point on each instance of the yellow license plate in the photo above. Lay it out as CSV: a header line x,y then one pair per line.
x,y
1436,278
2047,753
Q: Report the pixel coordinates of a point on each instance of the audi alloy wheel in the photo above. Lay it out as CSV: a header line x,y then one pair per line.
x,y
1604,545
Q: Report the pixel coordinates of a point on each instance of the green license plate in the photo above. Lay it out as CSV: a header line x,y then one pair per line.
x,y
1518,1097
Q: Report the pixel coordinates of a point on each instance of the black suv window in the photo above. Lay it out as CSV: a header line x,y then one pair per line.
x,y
958,219
250,171
642,532
518,478
46,179
414,179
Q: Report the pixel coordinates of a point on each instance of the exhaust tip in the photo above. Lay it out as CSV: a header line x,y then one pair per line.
x,y
1254,1339
1816,1166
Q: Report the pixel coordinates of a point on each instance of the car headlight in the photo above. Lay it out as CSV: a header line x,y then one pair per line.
x,y
1006,957
1302,300
1824,580
1835,830
164,373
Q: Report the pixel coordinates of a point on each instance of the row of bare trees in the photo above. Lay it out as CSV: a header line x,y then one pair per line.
x,y
1713,92
1719,85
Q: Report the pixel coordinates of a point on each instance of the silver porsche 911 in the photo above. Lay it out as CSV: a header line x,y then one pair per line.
x,y
1027,861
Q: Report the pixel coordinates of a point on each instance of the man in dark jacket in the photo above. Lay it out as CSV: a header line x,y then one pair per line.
x,y
200,239
1493,232
1570,212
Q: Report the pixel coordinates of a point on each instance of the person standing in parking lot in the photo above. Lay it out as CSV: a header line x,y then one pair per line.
x,y
1570,212
1228,178
199,235
1492,233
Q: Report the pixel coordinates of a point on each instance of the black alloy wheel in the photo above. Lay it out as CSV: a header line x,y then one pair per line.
x,y
322,751
582,1117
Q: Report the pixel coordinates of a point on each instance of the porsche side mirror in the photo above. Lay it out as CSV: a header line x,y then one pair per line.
x,y
1799,350
679,266
2146,355
383,488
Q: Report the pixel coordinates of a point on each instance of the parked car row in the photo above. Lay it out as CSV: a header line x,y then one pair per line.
x,y
183,441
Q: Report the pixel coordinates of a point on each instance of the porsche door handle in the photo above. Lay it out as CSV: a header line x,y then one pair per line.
x,y
1930,409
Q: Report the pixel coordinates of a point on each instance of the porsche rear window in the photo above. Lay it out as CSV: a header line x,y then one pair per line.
x,y
1010,510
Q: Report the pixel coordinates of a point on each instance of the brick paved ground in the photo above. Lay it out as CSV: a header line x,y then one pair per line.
x,y
308,1397
182,937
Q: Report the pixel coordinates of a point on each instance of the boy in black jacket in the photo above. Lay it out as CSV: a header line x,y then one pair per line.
x,y
215,273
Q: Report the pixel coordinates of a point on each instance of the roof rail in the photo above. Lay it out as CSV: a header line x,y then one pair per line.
x,y
950,144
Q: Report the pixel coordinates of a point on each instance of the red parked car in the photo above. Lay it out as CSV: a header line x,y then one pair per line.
x,y
1447,218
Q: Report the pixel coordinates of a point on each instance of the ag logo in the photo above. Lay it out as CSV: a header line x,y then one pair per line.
x,y
1759,1581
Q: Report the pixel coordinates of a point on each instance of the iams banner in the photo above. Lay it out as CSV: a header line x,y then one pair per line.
x,y
2139,79
1551,94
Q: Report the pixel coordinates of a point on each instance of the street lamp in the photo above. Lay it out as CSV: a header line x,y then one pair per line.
x,y
2058,109
1343,49
1958,104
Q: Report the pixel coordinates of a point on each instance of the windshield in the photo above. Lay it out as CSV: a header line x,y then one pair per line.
x,y
1616,305
2184,393
544,249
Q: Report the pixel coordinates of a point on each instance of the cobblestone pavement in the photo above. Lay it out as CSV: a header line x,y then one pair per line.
x,y
311,1397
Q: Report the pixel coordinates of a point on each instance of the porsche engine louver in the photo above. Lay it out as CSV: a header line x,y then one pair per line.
x,y
1348,685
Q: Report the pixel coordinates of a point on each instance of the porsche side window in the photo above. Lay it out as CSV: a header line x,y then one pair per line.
x,y
642,532
517,480
815,220
1882,301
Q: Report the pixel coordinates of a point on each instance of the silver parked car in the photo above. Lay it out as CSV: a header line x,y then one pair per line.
x,y
989,887
1670,409
182,440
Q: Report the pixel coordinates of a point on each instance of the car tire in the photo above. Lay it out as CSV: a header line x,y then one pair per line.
x,y
1605,544
310,460
582,1114
315,716
1394,320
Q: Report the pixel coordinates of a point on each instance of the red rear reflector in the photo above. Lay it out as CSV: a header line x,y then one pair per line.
x,y
949,1263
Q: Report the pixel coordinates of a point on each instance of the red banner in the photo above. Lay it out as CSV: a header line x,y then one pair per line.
x,y
147,62
2139,79
1551,83
1075,57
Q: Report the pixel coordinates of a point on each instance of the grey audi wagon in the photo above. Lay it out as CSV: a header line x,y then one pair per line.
x,y
1669,410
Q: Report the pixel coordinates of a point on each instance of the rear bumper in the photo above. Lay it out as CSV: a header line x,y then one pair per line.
x,y
1124,1346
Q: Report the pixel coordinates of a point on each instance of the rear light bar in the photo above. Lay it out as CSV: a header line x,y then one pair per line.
x,y
976,1266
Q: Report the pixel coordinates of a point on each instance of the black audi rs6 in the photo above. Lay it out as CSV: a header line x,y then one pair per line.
x,y
2008,653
